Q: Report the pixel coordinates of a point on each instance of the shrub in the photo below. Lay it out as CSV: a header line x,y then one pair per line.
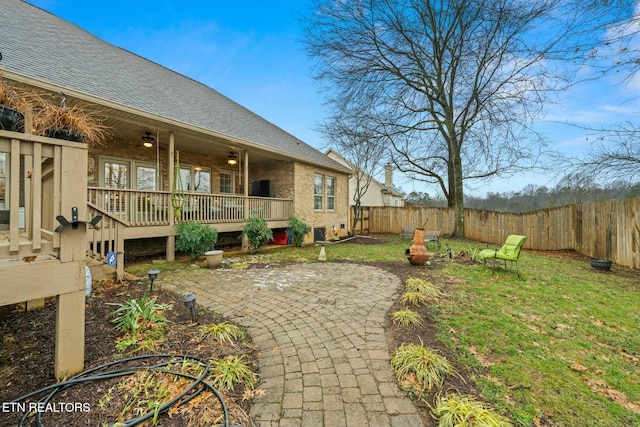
x,y
463,411
195,238
257,232
299,228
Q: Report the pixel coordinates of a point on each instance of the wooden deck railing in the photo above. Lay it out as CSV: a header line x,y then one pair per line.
x,y
35,180
149,208
107,237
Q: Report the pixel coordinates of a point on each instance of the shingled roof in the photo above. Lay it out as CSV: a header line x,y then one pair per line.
x,y
43,47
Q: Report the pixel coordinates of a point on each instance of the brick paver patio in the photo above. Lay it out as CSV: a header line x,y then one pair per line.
x,y
319,329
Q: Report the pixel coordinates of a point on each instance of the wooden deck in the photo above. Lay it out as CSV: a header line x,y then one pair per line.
x,y
36,261
156,208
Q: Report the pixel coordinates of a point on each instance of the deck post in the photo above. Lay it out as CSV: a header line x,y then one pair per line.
x,y
69,349
170,246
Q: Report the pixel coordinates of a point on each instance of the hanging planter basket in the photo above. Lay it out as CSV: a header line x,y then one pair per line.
x,y
177,193
11,119
177,202
65,134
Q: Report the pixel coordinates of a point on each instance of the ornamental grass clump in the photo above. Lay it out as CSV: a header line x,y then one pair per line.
x,y
415,298
141,321
79,123
231,371
422,286
464,411
405,318
419,369
222,332
13,98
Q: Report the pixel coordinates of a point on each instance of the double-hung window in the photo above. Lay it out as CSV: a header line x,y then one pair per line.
x,y
331,193
324,192
318,191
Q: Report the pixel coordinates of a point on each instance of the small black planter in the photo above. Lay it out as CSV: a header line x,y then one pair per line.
x,y
600,264
11,119
65,134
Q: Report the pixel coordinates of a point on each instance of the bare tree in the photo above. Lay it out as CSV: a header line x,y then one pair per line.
x,y
614,154
363,152
452,86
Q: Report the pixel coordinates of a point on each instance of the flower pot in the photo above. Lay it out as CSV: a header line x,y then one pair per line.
x,y
600,264
65,134
11,119
214,258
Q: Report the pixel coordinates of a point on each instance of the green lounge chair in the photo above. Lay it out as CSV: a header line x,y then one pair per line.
x,y
510,251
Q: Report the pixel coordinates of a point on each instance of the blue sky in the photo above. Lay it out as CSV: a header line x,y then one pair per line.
x,y
251,51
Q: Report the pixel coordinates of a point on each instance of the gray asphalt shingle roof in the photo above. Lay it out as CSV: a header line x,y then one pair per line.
x,y
42,46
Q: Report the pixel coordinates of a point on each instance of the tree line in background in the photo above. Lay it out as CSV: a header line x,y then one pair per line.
x,y
572,188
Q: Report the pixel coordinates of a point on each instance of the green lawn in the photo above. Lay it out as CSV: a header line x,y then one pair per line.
x,y
559,345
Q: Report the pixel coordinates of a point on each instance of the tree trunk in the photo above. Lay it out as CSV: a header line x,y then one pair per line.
x,y
457,196
356,216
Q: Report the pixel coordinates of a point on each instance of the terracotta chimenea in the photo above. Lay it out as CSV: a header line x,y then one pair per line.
x,y
417,254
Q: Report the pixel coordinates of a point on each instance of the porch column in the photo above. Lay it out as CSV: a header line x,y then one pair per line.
x,y
245,241
171,239
246,173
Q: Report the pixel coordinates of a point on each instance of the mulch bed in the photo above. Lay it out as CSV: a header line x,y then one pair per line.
x,y
27,358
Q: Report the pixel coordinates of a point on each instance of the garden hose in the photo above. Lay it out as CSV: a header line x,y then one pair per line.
x,y
197,386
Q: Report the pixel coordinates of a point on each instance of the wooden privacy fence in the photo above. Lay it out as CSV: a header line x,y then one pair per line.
x,y
609,229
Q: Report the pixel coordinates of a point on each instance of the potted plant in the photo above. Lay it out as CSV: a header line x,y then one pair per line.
x,y
199,239
13,105
74,123
600,264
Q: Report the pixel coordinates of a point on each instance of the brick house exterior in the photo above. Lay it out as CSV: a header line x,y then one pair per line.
x,y
138,96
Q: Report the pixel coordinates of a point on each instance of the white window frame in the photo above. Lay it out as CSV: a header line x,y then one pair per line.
x,y
103,175
132,175
330,198
147,165
236,182
318,198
